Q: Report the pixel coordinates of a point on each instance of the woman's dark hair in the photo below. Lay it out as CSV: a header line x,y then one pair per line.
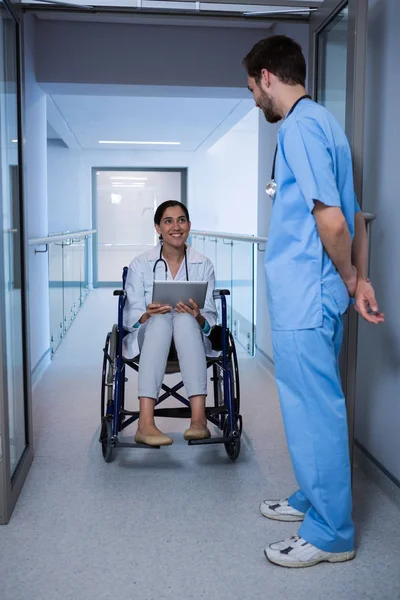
x,y
168,204
281,56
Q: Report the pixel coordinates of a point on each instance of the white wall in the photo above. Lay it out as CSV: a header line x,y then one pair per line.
x,y
67,196
378,382
70,179
223,181
35,157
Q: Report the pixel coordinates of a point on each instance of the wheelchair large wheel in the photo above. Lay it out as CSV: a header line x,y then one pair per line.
x,y
233,448
218,379
108,371
107,439
233,363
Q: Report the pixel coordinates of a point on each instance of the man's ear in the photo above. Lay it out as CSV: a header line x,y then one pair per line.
x,y
266,77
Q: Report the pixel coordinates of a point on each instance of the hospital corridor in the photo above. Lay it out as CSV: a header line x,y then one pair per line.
x,y
171,523
135,133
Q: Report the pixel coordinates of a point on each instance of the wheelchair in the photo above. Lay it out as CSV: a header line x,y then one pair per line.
x,y
224,414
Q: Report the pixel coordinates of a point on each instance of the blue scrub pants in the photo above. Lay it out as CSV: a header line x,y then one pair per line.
x,y
314,414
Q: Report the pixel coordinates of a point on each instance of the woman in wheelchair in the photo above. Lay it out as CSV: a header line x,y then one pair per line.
x,y
159,329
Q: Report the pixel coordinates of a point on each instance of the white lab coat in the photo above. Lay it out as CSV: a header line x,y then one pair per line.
x,y
139,290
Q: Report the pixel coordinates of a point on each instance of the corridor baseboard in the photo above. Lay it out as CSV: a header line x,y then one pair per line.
x,y
40,367
375,471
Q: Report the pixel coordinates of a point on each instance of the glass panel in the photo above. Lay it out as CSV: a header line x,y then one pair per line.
x,y
126,202
56,294
68,285
234,270
10,202
68,277
210,250
81,246
332,66
85,272
243,294
224,273
76,249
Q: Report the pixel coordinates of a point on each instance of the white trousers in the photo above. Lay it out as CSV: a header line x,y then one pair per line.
x,y
155,337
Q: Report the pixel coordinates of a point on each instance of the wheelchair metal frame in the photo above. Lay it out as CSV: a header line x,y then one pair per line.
x,y
224,414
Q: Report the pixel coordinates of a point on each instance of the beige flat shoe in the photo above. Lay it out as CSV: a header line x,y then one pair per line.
x,y
153,440
196,434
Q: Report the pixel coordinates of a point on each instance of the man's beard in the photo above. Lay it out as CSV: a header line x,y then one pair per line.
x,y
269,109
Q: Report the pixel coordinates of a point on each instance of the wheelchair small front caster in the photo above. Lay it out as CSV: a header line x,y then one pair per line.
x,y
232,448
107,439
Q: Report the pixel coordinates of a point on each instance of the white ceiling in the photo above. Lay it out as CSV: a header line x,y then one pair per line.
x,y
82,120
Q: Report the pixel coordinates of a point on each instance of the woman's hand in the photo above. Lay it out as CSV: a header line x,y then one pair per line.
x,y
193,309
155,309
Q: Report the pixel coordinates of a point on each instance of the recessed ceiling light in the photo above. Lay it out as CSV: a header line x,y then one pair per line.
x,y
140,143
15,141
116,199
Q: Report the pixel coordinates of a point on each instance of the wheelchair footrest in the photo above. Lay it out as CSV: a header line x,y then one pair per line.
x,y
212,440
178,413
134,445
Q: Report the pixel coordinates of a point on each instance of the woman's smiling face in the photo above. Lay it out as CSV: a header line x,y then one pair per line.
x,y
174,227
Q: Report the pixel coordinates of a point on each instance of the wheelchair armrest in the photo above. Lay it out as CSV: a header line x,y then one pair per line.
x,y
119,293
219,293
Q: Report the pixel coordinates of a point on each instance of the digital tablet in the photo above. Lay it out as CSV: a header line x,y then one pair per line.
x,y
172,292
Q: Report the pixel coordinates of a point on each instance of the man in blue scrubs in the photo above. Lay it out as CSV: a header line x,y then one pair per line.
x,y
315,262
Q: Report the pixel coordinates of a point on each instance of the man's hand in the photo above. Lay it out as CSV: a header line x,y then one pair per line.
x,y
366,304
351,282
193,309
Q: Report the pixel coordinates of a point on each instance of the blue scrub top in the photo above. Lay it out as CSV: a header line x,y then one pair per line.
x,y
313,162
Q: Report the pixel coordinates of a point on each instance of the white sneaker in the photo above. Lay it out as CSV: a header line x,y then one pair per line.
x,y
280,510
296,552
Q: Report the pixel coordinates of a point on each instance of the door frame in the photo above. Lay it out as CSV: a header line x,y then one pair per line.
x,y
184,195
11,484
355,111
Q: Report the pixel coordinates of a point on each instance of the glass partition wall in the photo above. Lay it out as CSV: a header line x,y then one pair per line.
x,y
15,422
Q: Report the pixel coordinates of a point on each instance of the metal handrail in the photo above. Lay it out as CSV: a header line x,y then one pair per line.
x,y
50,239
237,237
253,239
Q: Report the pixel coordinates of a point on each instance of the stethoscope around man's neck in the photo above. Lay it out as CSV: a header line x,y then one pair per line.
x,y
270,190
161,259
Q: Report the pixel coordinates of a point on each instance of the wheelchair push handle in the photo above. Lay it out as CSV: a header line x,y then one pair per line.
x,y
218,293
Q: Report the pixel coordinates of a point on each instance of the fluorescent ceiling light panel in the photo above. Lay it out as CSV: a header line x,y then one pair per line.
x,y
128,178
280,11
139,143
128,185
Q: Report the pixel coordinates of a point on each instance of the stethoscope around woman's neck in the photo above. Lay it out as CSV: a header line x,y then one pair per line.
x,y
161,259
